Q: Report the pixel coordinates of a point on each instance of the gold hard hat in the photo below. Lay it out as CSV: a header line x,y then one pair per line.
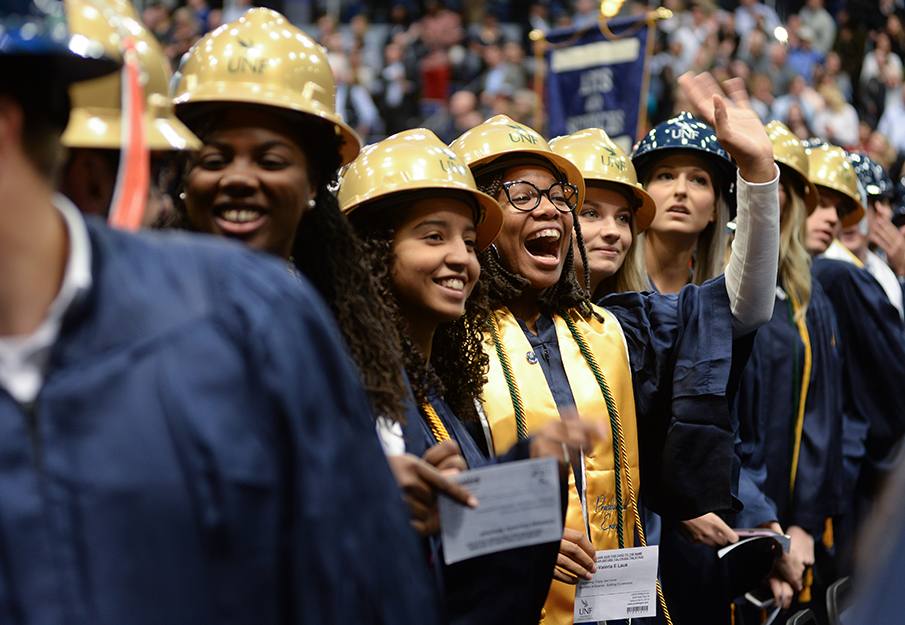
x,y
501,136
829,167
600,159
788,151
263,59
416,160
96,117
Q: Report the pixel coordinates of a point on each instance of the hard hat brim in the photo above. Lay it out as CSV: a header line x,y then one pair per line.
x,y
216,93
103,130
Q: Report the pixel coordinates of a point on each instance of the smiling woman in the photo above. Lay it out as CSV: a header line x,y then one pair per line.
x,y
272,145
653,369
250,181
615,211
424,221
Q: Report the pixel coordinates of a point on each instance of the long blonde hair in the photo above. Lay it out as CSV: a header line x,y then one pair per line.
x,y
711,248
631,275
794,259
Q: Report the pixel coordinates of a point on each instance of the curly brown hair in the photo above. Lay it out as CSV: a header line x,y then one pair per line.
x,y
459,365
327,252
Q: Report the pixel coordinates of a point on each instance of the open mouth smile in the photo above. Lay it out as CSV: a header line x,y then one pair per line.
x,y
544,244
239,220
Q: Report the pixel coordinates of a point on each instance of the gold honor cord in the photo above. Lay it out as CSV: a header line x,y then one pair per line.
x,y
803,393
436,425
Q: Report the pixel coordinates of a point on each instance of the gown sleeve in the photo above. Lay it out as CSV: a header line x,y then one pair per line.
x,y
685,367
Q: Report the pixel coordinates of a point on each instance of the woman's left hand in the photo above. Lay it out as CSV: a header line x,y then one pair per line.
x,y
737,126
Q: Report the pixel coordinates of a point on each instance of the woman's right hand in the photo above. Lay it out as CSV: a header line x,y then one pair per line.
x,y
568,434
737,126
577,558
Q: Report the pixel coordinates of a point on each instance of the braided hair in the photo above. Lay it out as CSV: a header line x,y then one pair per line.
x,y
504,286
332,258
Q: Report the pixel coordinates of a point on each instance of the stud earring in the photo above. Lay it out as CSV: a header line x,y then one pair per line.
x,y
312,203
182,196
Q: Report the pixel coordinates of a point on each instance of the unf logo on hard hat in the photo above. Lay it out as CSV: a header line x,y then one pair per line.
x,y
252,62
683,131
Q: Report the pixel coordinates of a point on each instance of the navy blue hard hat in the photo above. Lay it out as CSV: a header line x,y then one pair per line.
x,y
686,133
871,174
36,30
898,209
814,142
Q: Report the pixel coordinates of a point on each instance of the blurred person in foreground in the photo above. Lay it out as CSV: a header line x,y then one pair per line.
x,y
163,461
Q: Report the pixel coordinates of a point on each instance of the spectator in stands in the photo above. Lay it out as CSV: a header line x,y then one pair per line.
x,y
761,89
878,59
837,121
832,69
159,21
692,35
815,15
397,91
799,94
802,55
778,69
585,15
500,76
892,124
751,14
185,32
754,52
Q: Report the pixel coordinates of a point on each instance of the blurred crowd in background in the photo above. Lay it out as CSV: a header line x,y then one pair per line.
x,y
833,72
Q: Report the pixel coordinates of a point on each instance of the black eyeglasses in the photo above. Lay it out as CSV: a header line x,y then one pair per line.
x,y
524,196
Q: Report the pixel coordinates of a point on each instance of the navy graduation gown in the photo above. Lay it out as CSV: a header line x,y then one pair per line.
x,y
685,367
873,343
508,587
201,452
768,411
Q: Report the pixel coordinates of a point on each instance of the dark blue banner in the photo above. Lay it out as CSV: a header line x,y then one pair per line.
x,y
598,80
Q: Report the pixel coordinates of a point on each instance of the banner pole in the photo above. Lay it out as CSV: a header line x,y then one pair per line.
x,y
540,46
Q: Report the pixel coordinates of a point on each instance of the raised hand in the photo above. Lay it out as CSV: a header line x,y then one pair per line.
x,y
737,126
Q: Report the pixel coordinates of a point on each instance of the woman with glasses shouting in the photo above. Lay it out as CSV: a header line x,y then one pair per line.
x,y
666,358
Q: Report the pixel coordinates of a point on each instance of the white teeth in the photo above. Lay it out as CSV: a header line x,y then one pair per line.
x,y
453,283
553,233
240,215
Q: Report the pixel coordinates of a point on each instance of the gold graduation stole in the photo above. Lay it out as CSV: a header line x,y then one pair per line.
x,y
607,344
